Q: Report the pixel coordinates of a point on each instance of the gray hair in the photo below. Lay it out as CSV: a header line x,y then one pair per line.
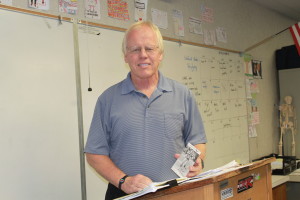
x,y
140,24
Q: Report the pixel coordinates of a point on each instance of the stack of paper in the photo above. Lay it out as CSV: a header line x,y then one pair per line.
x,y
153,187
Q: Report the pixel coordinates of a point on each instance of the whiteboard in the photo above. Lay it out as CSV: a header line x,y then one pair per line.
x,y
216,79
101,55
38,109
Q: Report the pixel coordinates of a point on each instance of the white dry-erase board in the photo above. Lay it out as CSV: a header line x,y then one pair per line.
x,y
38,110
215,77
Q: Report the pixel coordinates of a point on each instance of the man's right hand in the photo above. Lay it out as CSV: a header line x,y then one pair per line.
x,y
135,183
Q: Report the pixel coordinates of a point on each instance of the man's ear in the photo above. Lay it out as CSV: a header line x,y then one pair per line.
x,y
161,57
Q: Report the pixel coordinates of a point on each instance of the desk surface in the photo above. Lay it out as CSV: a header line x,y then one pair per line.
x,y
292,177
295,176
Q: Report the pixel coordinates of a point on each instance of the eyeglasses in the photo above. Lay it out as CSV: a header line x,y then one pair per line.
x,y
138,50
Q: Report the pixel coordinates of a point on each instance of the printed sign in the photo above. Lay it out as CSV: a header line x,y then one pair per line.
x,y
245,184
226,193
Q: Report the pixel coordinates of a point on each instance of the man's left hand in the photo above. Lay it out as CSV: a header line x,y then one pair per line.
x,y
195,169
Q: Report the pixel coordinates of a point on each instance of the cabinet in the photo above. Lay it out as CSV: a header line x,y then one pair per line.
x,y
279,192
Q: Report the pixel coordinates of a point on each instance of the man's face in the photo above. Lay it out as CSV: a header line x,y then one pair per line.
x,y
142,55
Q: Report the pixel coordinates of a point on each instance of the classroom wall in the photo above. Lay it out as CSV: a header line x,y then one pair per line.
x,y
268,98
246,23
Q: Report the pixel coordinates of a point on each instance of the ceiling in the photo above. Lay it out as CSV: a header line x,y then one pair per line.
x,y
288,8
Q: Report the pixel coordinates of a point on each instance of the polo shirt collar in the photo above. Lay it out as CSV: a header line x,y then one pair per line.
x,y
163,84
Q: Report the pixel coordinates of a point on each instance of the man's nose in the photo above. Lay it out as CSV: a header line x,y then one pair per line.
x,y
143,52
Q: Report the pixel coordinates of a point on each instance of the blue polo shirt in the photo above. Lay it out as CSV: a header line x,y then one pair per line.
x,y
141,134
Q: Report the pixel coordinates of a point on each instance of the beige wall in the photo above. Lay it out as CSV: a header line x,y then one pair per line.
x,y
246,23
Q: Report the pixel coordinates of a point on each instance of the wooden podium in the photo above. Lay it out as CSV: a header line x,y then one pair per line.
x,y
251,182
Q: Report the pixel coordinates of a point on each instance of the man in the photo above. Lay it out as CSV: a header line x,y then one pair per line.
x,y
142,123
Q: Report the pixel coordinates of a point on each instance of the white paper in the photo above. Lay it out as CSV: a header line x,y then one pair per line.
x,y
233,165
159,18
252,131
39,4
221,34
140,13
248,89
210,37
255,118
6,2
178,22
195,25
278,164
153,187
248,68
92,9
187,158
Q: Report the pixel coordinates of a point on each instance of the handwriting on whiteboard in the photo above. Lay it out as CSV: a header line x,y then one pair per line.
x,y
220,92
218,83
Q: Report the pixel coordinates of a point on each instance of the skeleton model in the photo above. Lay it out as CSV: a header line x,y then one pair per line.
x,y
288,122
